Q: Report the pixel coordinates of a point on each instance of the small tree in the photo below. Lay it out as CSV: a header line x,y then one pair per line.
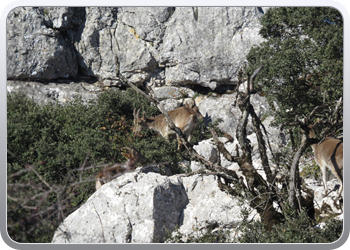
x,y
303,59
303,74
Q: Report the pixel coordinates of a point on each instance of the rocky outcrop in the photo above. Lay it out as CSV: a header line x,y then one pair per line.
x,y
55,92
208,45
136,207
56,53
144,208
38,46
154,45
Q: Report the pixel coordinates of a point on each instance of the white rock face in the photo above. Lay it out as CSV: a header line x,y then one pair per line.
x,y
328,205
158,45
142,208
135,207
208,205
207,150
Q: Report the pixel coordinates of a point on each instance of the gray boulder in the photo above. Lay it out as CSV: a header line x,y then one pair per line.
x,y
55,92
154,45
211,208
207,46
134,208
143,208
36,47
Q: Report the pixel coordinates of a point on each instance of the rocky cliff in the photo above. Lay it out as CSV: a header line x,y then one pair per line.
x,y
55,53
174,46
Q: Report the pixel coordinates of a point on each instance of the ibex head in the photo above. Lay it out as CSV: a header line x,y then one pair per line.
x,y
133,155
109,173
312,133
139,123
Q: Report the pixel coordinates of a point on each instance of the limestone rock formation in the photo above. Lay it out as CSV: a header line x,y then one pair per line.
x,y
155,45
134,208
143,208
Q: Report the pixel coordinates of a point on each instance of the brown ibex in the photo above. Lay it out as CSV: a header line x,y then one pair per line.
x,y
329,153
112,172
185,118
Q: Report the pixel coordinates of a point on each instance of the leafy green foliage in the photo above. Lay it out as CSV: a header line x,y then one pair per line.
x,y
220,236
47,144
295,229
311,170
204,235
302,58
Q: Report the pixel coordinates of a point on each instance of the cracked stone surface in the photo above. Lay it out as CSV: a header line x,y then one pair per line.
x,y
141,208
55,92
135,208
208,45
147,45
35,47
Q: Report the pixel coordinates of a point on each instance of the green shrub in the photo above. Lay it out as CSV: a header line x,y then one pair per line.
x,y
311,170
295,229
220,236
48,143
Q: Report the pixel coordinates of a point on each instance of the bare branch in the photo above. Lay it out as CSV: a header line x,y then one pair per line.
x,y
261,144
83,166
294,181
154,100
221,147
251,82
40,177
256,72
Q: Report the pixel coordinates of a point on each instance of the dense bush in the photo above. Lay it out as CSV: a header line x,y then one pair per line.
x,y
48,143
294,229
219,236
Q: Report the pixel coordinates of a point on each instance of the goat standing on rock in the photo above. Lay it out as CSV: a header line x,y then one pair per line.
x,y
185,118
112,172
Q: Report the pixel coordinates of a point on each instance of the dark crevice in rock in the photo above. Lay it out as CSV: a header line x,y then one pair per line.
x,y
195,13
260,10
221,89
77,79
